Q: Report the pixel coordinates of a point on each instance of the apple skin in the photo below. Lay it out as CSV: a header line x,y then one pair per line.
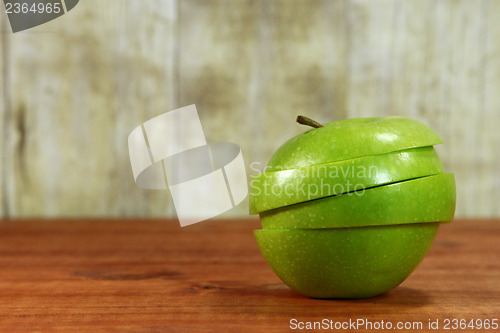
x,y
346,262
333,248
352,138
272,190
426,199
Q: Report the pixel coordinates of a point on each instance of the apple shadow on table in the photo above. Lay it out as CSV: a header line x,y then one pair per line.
x,y
403,296
400,296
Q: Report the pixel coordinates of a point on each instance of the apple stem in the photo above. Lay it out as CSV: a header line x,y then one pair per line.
x,y
308,121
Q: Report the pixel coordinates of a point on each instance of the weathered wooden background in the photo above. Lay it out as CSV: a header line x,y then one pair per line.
x,y
71,90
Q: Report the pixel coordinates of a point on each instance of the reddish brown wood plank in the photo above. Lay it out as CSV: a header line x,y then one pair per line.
x,y
153,276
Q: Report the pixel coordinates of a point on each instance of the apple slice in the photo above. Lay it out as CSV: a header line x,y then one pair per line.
x,y
427,199
352,138
346,262
272,190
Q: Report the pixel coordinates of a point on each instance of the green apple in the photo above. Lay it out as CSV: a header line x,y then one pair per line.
x,y
427,199
346,262
359,243
352,138
272,190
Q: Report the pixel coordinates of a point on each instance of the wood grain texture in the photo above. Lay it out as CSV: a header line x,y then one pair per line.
x,y
216,70
306,70
152,276
489,135
78,85
467,33
4,104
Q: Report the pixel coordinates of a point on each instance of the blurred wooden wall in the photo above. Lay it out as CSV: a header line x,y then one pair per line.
x,y
74,88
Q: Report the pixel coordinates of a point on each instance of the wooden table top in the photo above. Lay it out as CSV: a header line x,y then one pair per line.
x,y
153,276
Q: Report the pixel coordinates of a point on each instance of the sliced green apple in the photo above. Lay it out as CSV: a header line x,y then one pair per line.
x,y
272,190
428,199
352,138
346,262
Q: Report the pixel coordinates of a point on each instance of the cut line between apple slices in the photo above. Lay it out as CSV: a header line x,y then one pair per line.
x,y
271,190
426,199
